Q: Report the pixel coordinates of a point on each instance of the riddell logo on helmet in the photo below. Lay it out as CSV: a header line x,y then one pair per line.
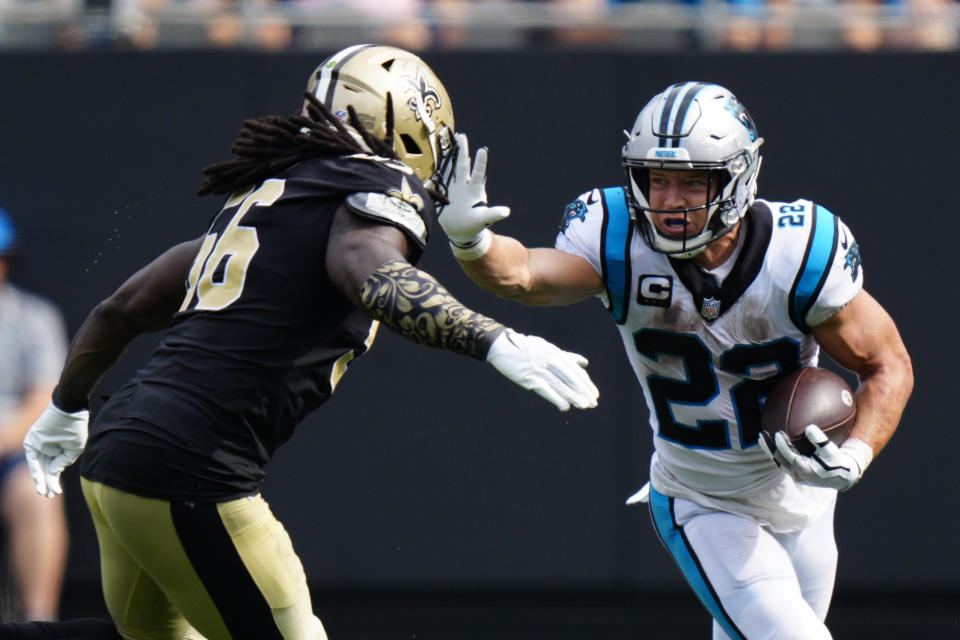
x,y
665,153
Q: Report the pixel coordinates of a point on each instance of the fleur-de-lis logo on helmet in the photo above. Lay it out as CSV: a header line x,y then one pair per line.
x,y
424,99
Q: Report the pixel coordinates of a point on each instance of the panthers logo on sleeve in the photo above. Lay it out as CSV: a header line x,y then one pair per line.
x,y
576,210
852,261
852,258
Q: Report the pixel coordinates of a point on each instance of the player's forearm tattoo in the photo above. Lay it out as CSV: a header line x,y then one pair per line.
x,y
415,305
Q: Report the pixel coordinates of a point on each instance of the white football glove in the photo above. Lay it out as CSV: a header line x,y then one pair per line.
x,y
539,366
828,466
53,443
466,218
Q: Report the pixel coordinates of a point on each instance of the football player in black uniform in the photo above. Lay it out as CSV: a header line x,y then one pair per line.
x,y
327,213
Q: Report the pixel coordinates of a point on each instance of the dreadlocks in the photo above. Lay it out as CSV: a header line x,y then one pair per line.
x,y
270,144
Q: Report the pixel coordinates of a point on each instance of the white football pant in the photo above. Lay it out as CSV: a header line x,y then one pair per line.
x,y
757,584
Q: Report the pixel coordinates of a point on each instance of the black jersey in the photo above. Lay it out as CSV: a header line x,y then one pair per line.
x,y
261,340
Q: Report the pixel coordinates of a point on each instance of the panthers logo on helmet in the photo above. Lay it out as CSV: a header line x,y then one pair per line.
x,y
422,94
738,111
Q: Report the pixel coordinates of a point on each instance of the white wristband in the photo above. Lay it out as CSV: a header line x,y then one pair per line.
x,y
473,250
860,451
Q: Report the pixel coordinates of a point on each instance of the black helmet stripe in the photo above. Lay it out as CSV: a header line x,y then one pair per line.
x,y
692,91
665,114
335,75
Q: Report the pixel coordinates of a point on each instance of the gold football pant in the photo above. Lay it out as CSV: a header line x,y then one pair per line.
x,y
221,571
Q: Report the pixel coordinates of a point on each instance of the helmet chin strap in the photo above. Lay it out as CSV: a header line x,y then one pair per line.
x,y
684,255
444,157
689,254
682,252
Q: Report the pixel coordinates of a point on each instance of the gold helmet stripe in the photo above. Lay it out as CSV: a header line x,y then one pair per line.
x,y
330,72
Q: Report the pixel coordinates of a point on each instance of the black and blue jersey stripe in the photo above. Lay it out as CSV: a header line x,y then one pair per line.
x,y
615,237
817,258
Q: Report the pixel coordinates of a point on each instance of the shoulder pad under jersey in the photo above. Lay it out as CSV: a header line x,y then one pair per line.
x,y
392,210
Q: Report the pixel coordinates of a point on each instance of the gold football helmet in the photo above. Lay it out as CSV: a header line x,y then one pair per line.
x,y
362,75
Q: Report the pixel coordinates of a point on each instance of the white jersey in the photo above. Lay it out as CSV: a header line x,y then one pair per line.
x,y
708,353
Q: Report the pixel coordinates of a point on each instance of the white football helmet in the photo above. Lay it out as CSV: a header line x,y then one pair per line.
x,y
362,75
693,125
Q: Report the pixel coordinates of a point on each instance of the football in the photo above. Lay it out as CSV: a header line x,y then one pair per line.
x,y
810,396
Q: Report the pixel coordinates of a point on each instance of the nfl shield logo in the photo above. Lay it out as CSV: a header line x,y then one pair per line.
x,y
710,308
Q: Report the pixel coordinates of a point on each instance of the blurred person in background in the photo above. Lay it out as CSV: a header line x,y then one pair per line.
x,y
400,23
572,23
51,24
922,25
32,348
218,24
327,212
739,25
758,24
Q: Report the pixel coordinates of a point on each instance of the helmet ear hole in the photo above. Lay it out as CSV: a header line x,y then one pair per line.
x,y
386,64
410,145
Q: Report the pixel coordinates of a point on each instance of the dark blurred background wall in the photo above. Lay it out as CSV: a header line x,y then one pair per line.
x,y
430,471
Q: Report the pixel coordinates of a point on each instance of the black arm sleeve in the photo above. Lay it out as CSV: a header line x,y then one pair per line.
x,y
412,303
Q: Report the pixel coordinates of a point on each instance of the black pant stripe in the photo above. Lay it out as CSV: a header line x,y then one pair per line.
x,y
215,559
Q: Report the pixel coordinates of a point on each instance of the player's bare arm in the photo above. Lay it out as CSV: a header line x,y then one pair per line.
x,y
145,302
501,264
368,262
862,337
357,247
540,276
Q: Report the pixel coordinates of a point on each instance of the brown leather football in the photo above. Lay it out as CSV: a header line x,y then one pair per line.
x,y
810,396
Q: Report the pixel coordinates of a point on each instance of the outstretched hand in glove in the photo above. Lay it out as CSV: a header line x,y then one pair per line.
x,y
537,365
466,218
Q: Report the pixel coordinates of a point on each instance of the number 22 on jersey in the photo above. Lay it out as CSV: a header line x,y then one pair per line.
x,y
220,268
700,386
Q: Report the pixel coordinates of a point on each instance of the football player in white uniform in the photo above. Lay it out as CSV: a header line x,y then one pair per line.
x,y
717,296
